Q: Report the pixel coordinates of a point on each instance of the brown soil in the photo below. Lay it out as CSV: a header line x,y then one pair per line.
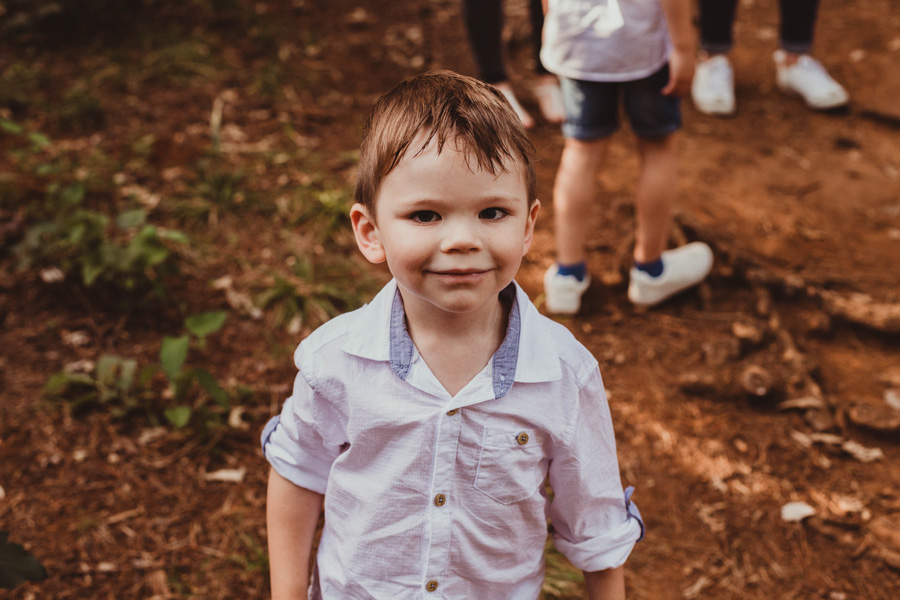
x,y
801,208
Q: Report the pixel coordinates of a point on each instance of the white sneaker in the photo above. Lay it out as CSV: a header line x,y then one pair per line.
x,y
563,292
713,87
808,79
682,268
527,120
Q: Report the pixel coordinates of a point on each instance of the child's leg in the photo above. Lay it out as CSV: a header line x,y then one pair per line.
x,y
655,196
574,195
591,117
658,273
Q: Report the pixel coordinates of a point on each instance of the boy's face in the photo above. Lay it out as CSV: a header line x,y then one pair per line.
x,y
453,236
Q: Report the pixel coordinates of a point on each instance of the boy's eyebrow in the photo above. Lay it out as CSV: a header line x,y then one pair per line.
x,y
429,201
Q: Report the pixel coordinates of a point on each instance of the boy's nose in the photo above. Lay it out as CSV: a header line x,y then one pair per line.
x,y
459,237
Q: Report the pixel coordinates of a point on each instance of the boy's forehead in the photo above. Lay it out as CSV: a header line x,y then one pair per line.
x,y
457,145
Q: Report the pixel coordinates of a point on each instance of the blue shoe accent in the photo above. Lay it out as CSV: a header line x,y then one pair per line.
x,y
654,268
578,270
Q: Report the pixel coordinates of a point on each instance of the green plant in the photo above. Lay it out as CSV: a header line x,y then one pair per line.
x,y
113,380
173,356
315,291
126,252
64,231
80,111
258,560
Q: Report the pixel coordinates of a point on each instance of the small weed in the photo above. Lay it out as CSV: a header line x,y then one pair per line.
x,y
64,232
258,559
19,87
180,64
80,112
323,210
182,380
114,381
268,82
303,297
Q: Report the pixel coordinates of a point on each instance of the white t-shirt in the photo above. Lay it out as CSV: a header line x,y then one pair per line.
x,y
605,40
427,492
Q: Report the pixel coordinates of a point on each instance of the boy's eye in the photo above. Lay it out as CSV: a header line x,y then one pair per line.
x,y
424,216
492,214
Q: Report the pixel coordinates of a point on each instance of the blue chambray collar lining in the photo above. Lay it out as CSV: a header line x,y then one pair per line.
x,y
504,360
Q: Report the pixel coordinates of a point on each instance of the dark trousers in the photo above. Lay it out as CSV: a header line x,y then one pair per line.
x,y
798,19
484,26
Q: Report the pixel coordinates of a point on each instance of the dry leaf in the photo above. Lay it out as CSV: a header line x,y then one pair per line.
x,y
796,511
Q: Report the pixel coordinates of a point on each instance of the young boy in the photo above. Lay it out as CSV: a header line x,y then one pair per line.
x,y
601,50
430,418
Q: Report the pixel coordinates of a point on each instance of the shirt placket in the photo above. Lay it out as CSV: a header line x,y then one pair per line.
x,y
442,500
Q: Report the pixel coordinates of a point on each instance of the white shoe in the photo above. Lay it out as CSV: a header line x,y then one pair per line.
x,y
713,87
682,268
527,120
550,101
563,292
808,79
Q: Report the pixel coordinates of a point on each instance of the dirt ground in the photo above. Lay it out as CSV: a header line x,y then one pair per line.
x,y
777,381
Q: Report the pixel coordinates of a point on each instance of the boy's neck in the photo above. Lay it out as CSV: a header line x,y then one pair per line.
x,y
456,347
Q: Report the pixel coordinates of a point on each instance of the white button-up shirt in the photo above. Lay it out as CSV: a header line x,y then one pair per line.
x,y
429,495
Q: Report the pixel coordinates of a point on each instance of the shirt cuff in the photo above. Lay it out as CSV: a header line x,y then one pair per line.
x,y
610,549
297,466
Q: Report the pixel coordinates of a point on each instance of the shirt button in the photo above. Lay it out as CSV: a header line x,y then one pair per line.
x,y
450,413
431,585
522,438
440,500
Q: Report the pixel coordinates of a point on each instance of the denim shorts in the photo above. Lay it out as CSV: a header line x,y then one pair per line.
x,y
592,107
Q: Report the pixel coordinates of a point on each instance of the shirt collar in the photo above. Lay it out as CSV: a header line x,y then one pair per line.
x,y
524,355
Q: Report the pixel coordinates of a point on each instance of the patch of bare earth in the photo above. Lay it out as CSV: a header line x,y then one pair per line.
x,y
775,382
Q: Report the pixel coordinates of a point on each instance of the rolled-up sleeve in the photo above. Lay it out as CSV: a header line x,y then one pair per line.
x,y
303,441
594,521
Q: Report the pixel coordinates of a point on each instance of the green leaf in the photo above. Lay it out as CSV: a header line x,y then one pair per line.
x,y
173,236
212,387
107,365
127,369
17,565
90,272
10,127
39,139
206,323
179,416
173,354
131,218
58,383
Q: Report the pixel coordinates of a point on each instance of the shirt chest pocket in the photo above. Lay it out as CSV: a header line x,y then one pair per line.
x,y
511,464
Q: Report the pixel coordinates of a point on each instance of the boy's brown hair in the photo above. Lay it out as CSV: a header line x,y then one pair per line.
x,y
449,107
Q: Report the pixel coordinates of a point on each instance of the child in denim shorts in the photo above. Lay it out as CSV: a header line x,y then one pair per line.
x,y
643,52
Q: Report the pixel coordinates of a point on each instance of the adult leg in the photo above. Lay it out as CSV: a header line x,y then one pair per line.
x,y
716,25
797,73
536,14
484,27
483,20
798,21
713,87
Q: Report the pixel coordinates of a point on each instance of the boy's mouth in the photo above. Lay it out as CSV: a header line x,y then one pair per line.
x,y
460,275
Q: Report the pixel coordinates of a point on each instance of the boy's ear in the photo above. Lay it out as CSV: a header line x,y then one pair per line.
x,y
366,233
529,225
